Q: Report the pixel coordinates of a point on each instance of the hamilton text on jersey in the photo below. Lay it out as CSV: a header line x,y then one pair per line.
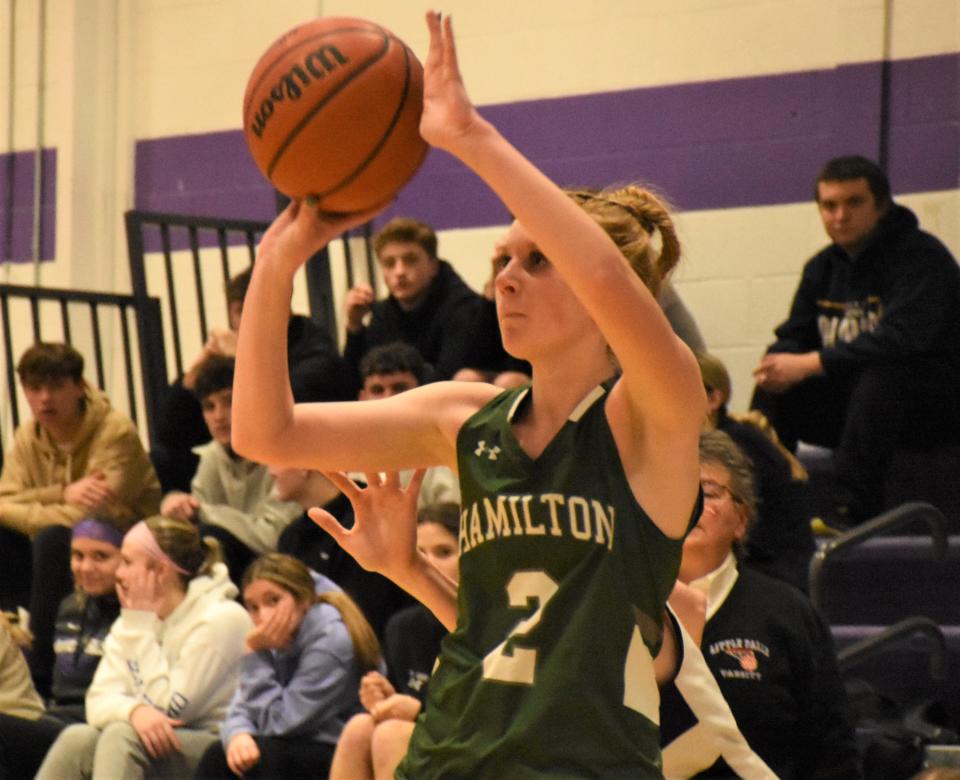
x,y
547,514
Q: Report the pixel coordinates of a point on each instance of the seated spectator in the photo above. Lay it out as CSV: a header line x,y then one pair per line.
x,y
391,369
83,620
780,542
18,697
299,674
315,366
230,497
696,724
76,456
770,651
373,742
868,359
169,664
377,597
429,306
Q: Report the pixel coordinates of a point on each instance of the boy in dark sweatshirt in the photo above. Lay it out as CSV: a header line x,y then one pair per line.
x,y
869,358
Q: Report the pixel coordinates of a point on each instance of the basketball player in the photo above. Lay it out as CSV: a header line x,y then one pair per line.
x,y
577,489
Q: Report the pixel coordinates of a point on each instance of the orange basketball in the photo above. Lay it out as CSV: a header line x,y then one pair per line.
x,y
332,109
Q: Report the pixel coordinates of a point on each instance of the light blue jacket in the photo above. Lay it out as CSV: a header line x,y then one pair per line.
x,y
308,690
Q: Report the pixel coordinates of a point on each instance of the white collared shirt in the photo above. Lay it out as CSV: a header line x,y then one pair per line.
x,y
716,585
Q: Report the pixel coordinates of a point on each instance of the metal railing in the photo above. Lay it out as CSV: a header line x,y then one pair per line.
x,y
82,318
893,635
188,249
912,512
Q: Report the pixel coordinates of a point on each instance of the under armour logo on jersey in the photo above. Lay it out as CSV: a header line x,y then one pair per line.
x,y
491,452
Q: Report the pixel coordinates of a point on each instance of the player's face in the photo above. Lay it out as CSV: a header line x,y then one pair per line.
x,y
264,598
216,414
536,309
408,271
722,522
288,484
848,210
94,565
55,403
386,385
440,547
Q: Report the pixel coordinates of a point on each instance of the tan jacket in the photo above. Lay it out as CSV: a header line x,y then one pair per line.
x,y
37,469
18,697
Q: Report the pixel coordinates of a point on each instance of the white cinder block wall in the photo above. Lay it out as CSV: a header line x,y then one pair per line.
x,y
123,71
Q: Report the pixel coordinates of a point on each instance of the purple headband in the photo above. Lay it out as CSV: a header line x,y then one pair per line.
x,y
99,530
141,535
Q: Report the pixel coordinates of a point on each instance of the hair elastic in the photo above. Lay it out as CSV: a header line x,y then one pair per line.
x,y
645,222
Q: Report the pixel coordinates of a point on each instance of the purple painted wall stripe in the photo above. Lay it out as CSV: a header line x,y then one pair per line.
x,y
16,206
719,144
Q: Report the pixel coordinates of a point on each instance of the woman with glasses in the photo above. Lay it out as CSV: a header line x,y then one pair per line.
x,y
768,648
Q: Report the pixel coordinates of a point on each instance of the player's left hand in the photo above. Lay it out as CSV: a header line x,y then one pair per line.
x,y
384,534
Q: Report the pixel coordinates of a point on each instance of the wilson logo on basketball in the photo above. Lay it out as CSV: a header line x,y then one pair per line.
x,y
316,65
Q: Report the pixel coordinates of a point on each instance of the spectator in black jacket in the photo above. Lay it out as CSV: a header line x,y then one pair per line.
x,y
768,648
780,542
429,305
315,368
869,358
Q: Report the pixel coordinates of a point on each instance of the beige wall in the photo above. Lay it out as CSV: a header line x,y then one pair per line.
x,y
123,70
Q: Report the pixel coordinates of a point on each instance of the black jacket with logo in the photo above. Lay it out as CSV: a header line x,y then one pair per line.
x,y
773,658
897,299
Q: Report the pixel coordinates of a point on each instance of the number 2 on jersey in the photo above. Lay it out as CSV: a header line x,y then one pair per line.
x,y
519,664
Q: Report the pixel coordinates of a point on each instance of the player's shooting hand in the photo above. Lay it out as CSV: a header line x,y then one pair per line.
x,y
384,534
90,492
301,230
156,730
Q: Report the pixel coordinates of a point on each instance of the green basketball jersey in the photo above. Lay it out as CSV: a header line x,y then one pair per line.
x,y
563,580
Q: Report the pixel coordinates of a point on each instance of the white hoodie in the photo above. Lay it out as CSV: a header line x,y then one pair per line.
x,y
185,666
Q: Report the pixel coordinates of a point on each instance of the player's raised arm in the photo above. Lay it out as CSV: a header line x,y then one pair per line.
x,y
414,429
659,405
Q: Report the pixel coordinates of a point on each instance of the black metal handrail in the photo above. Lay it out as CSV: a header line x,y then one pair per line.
x,y
891,635
910,512
145,311
191,233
